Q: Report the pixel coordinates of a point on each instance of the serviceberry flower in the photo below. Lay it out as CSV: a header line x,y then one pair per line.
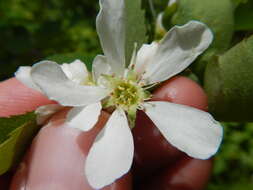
x,y
125,90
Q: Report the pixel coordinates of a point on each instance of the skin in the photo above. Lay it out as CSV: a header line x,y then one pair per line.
x,y
56,157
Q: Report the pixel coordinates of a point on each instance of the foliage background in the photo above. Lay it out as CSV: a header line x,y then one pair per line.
x,y
33,30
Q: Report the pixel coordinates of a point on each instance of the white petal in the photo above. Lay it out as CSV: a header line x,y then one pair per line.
x,y
55,84
45,112
145,57
177,50
23,74
111,31
76,71
192,131
100,66
111,155
84,118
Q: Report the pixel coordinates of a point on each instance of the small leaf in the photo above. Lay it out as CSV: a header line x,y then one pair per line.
x,y
135,27
16,133
229,83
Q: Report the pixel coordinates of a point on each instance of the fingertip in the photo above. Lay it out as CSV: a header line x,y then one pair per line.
x,y
182,90
193,173
152,150
17,99
187,174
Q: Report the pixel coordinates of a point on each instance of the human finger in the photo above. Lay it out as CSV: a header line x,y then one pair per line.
x,y
17,99
152,150
57,157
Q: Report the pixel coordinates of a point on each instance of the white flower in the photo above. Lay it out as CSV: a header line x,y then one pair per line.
x,y
192,131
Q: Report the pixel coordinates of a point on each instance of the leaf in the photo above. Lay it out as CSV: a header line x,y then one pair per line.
x,y
16,133
70,57
243,17
229,83
135,27
217,15
236,150
238,2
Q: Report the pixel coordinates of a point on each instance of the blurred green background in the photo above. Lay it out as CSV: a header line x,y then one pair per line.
x,y
34,30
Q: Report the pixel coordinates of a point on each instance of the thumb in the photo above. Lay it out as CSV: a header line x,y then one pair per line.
x,y
186,174
57,157
16,99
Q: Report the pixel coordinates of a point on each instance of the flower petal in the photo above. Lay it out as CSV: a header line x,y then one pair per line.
x,y
76,71
84,118
54,83
100,66
23,74
111,155
111,30
45,112
177,50
145,57
192,131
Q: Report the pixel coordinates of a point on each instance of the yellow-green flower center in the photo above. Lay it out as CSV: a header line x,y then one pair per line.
x,y
126,94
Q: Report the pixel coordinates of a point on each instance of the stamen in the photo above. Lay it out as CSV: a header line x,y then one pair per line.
x,y
150,86
126,93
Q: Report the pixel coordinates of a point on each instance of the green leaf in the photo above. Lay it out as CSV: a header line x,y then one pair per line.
x,y
70,57
16,134
243,17
217,15
238,2
229,83
236,150
234,185
135,27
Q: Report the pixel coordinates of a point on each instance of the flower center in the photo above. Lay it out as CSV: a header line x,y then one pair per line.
x,y
126,94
